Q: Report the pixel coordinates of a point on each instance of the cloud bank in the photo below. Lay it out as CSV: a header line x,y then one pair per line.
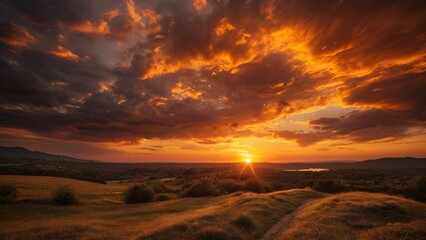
x,y
206,70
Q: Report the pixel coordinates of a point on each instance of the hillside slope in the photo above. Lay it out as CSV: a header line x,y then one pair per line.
x,y
102,215
39,188
361,216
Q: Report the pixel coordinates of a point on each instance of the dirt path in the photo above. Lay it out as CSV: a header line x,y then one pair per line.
x,y
280,227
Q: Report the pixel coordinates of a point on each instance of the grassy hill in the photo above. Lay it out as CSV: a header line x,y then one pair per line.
x,y
361,216
101,214
39,188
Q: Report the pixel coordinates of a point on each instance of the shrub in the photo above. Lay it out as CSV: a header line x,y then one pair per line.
x,y
165,197
211,233
245,222
201,188
230,185
138,193
267,187
328,186
8,192
417,189
254,185
64,195
157,186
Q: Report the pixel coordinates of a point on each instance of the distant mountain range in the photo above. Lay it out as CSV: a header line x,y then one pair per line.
x,y
382,163
20,153
406,162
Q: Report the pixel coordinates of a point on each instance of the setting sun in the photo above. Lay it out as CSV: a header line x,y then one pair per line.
x,y
248,160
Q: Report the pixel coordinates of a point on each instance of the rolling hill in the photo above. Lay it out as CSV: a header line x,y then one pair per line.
x,y
101,214
359,215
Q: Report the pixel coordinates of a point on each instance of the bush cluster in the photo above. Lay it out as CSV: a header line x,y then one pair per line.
x,y
231,185
417,189
157,186
328,186
8,192
64,195
254,185
202,188
139,193
210,187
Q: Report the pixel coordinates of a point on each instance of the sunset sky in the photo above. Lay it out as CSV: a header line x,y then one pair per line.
x,y
214,81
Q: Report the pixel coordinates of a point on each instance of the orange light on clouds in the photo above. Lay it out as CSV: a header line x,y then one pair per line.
x,y
199,4
17,37
132,11
229,81
101,28
62,52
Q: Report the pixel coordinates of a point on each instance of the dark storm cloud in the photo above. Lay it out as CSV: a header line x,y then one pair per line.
x,y
164,69
37,79
398,87
357,126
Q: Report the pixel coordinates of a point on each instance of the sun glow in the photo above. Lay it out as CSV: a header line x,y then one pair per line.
x,y
247,167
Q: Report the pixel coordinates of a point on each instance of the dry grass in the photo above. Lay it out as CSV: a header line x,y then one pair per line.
x,y
40,188
101,214
264,209
360,216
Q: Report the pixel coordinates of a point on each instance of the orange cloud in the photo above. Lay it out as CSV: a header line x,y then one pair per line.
x,y
103,87
62,52
223,26
151,16
101,28
131,10
112,13
219,69
185,92
14,36
151,20
199,4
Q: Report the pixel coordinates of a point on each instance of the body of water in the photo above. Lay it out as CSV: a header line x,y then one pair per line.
x,y
309,170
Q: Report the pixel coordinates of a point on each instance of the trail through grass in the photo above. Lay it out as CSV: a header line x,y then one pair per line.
x,y
101,214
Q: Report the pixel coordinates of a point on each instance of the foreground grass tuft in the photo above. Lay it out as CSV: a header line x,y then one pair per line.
x,y
245,223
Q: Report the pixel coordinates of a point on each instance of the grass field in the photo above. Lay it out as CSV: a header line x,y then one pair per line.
x,y
102,215
361,216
